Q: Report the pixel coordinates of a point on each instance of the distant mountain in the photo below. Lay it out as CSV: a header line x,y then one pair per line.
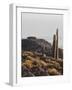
x,y
38,45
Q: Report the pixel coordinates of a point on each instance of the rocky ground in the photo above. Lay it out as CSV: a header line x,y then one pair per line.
x,y
36,64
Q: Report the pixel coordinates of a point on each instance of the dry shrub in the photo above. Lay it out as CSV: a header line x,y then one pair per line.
x,y
26,72
35,64
53,71
39,63
50,65
31,58
56,64
27,53
39,71
28,63
42,63
43,58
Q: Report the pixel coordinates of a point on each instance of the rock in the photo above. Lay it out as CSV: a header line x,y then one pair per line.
x,y
31,37
37,65
27,53
28,63
38,71
37,45
41,46
26,72
53,71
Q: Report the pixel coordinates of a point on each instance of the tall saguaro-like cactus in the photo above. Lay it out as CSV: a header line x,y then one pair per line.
x,y
55,45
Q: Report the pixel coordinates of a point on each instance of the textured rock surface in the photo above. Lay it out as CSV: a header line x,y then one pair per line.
x,y
38,65
39,45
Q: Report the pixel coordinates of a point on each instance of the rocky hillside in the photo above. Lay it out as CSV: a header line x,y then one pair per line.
x,y
39,45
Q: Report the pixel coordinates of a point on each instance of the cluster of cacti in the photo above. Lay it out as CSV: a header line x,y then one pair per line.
x,y
55,45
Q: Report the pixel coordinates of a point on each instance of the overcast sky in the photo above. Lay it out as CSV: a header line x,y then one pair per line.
x,y
42,26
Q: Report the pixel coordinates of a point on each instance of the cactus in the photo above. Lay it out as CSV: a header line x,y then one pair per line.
x,y
54,46
57,44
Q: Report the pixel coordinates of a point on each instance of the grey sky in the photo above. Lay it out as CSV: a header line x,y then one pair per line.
x,y
42,26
